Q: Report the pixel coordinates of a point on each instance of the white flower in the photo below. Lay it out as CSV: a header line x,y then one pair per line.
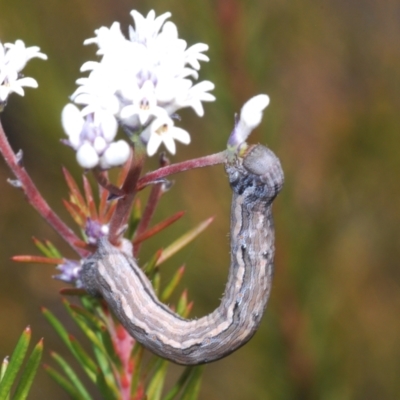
x,y
144,104
116,154
193,97
162,130
106,38
13,58
18,55
138,79
87,156
146,28
250,117
12,84
92,137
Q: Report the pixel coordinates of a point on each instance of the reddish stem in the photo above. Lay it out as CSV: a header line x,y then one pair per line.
x,y
103,181
155,229
33,195
122,210
154,176
154,197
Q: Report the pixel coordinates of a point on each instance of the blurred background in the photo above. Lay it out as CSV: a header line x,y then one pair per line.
x,y
332,70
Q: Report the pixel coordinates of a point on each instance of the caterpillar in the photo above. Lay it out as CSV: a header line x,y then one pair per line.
x,y
255,179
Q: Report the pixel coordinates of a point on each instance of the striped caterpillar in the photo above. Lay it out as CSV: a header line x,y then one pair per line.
x,y
255,179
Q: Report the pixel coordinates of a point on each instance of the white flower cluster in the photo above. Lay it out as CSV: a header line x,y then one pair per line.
x,y
13,58
139,82
93,138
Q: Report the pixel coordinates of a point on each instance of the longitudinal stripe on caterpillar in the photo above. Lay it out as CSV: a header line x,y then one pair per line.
x,y
255,179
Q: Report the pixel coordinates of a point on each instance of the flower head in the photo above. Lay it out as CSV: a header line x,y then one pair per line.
x,y
93,138
144,79
13,58
250,117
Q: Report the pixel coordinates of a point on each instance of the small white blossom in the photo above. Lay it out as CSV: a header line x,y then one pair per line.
x,y
106,37
141,78
87,156
92,137
250,117
162,130
144,104
13,58
116,154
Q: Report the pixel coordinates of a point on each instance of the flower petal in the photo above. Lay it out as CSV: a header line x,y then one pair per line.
x,y
181,135
153,144
87,156
116,154
72,122
250,117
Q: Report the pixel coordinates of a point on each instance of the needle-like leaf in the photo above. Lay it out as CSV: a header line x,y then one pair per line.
x,y
25,383
64,383
15,363
69,372
183,240
154,390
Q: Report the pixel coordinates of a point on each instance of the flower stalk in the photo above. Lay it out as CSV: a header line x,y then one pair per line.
x,y
118,223
33,195
163,172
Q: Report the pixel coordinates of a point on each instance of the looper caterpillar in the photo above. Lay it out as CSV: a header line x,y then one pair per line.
x,y
255,179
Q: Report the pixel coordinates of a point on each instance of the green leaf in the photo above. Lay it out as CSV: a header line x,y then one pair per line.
x,y
192,388
29,373
86,329
182,308
84,359
110,349
106,372
109,393
64,383
134,220
97,326
156,281
58,327
103,357
136,360
155,387
4,366
71,375
47,248
76,350
88,316
15,363
172,285
148,269
181,242
180,384
42,247
52,249
189,383
93,306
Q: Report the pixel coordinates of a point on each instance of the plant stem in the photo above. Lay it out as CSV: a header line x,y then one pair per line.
x,y
33,195
155,195
124,204
154,176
